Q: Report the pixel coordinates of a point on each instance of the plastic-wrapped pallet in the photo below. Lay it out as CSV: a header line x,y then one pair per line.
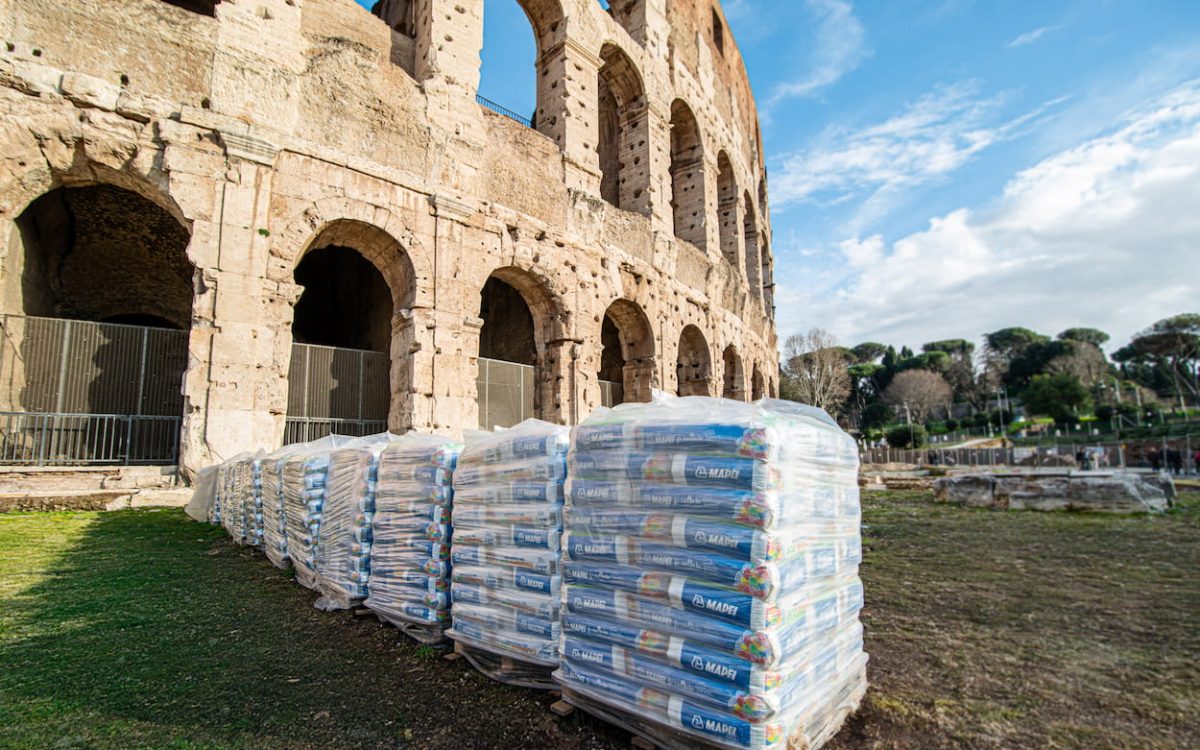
x,y
304,478
273,502
250,491
506,553
344,553
710,591
233,506
409,584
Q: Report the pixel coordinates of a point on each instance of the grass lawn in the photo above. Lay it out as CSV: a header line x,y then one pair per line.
x,y
141,629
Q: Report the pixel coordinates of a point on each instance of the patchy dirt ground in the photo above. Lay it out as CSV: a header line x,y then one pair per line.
x,y
140,629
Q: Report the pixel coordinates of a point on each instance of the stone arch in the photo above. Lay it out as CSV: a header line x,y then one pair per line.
x,y
358,289
750,242
627,353
727,209
303,229
687,176
519,323
546,21
733,379
97,276
757,384
693,366
623,132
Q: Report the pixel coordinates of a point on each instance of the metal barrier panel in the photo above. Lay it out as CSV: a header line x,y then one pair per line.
x,y
505,392
611,393
80,392
339,391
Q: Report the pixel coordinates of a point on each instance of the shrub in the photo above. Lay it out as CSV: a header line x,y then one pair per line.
x,y
951,424
904,436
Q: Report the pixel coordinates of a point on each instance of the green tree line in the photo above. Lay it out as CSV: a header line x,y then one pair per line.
x,y
1063,378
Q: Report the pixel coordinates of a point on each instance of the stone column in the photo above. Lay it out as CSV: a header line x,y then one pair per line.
x,y
568,110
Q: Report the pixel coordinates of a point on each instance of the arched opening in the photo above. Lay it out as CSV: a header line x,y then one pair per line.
x,y
400,15
95,305
350,373
727,209
687,176
733,382
757,385
693,367
515,78
623,141
516,311
627,354
750,241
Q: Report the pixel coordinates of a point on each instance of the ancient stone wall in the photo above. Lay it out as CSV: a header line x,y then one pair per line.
x,y
272,128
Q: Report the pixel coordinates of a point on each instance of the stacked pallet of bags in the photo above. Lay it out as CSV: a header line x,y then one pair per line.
x,y
710,573
506,551
251,488
274,519
343,556
305,474
233,502
409,583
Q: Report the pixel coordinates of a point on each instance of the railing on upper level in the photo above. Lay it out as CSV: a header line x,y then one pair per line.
x,y
502,110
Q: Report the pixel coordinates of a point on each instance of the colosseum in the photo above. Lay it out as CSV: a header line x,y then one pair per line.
x,y
229,224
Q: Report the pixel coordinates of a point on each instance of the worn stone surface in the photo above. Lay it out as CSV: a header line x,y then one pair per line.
x,y
271,126
1099,493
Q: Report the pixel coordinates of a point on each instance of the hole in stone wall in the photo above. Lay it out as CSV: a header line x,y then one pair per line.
x,y
203,7
718,32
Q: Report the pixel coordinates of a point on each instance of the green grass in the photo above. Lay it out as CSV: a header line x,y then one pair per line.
x,y
140,629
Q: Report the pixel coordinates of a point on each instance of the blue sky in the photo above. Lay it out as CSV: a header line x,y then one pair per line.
x,y
943,168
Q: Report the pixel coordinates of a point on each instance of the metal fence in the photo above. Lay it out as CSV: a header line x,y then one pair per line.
x,y
79,392
1142,453
502,110
611,393
505,393
336,391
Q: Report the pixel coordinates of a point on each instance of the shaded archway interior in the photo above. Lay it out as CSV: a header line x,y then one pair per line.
x,y
346,301
727,209
508,331
621,108
99,284
693,366
732,382
100,253
688,207
627,353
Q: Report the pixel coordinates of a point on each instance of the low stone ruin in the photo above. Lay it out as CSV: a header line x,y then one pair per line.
x,y
1115,492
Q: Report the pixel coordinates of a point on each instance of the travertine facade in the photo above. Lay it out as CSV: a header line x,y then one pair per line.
x,y
269,129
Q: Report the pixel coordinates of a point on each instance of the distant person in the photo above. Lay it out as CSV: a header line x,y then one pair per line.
x,y
1155,459
1196,462
1175,461
1081,459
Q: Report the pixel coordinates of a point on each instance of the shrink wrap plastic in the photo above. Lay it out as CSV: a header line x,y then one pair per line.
x,y
505,553
305,473
409,544
344,554
710,557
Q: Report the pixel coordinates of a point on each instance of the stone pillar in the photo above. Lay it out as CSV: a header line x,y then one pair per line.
x,y
562,380
637,175
640,376
235,388
568,112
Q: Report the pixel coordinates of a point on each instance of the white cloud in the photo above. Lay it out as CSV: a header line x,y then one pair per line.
x,y
839,47
1104,234
1029,37
931,137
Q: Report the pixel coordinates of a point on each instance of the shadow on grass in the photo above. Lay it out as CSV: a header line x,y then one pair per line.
x,y
152,631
